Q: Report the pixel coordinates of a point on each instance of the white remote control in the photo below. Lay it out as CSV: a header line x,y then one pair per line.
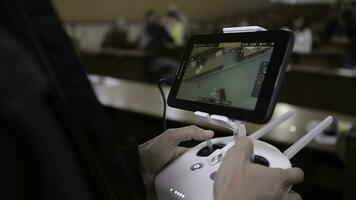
x,y
191,176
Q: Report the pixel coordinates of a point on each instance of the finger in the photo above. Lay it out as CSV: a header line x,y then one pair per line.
x,y
181,150
293,196
293,176
189,133
243,148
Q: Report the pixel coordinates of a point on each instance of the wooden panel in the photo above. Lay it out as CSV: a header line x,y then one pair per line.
x,y
320,91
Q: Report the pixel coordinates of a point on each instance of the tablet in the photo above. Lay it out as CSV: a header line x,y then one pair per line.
x,y
237,75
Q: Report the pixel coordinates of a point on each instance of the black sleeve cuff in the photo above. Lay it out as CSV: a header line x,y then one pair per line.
x,y
134,180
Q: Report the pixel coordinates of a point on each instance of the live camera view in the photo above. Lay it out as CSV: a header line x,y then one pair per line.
x,y
227,74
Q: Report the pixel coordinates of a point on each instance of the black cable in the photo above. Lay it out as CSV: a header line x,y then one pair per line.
x,y
168,81
164,103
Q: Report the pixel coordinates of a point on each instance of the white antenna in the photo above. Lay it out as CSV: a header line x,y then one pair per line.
x,y
271,125
302,142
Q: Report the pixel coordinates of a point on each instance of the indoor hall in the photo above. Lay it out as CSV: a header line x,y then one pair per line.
x,y
90,74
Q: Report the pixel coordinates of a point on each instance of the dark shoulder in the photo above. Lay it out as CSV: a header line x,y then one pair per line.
x,y
19,72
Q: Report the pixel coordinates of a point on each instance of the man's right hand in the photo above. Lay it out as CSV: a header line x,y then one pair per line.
x,y
239,179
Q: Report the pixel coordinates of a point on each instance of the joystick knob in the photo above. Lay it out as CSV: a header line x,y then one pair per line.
x,y
205,151
257,159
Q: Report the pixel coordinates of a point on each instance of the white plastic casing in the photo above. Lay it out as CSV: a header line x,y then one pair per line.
x,y
191,176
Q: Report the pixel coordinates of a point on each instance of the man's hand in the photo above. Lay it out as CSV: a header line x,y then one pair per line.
x,y
239,179
158,152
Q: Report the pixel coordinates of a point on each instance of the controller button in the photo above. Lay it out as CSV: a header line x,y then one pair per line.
x,y
216,159
260,160
213,175
196,166
220,157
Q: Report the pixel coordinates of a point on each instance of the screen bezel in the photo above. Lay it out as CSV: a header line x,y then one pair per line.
x,y
283,44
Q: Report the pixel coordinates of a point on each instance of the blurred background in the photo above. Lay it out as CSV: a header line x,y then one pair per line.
x,y
324,30
127,46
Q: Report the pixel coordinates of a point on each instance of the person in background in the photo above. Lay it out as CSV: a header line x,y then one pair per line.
x,y
341,29
175,28
154,36
156,40
303,38
117,35
182,17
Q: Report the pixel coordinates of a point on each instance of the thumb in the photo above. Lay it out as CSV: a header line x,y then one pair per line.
x,y
243,148
179,135
293,176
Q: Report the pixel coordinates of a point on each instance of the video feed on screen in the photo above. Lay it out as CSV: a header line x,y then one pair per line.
x,y
229,74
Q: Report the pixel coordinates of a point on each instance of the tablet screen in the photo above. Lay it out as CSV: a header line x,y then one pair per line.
x,y
228,74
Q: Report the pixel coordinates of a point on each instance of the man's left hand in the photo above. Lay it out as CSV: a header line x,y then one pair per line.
x,y
158,152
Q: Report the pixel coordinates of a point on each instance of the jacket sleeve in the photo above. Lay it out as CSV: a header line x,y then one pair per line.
x,y
38,157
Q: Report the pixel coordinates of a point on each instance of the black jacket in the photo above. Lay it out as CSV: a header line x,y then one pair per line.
x,y
56,141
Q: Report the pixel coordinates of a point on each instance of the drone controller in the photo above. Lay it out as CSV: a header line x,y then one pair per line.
x,y
197,168
236,75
